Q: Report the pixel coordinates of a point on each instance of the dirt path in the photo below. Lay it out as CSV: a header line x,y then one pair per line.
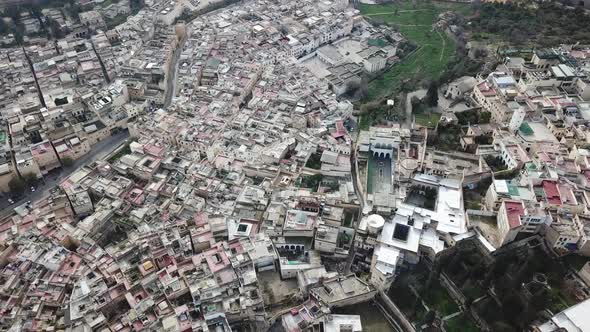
x,y
421,93
399,11
444,45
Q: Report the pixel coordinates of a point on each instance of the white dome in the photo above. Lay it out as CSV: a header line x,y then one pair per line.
x,y
375,223
410,164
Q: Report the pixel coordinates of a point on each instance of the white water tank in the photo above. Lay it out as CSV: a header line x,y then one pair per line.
x,y
375,223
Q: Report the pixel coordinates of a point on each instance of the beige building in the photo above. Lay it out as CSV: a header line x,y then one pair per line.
x,y
92,19
71,147
6,174
45,156
26,164
585,273
375,63
136,89
96,131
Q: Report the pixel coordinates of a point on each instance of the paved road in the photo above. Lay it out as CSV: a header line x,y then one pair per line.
x,y
361,198
171,84
99,151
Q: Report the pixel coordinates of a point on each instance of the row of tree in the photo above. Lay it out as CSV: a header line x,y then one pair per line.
x,y
546,24
50,27
18,185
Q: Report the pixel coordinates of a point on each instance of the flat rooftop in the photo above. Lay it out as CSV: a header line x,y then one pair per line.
x,y
341,289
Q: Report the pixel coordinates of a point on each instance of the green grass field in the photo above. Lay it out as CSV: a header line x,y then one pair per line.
x,y
460,324
438,298
370,171
427,120
414,21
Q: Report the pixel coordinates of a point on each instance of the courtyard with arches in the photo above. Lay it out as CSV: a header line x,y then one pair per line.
x,y
380,168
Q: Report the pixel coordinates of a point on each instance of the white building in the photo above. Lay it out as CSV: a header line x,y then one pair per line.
x,y
375,63
299,223
171,11
384,264
513,155
516,119
572,319
460,86
326,238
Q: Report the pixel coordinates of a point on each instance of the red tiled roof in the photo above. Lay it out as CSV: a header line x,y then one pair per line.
x,y
551,192
486,90
340,126
514,210
340,130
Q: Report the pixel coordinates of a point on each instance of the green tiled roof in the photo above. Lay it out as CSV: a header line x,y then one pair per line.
x,y
526,129
377,42
513,190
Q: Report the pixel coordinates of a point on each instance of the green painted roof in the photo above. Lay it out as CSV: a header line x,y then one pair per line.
x,y
377,42
513,190
526,129
539,191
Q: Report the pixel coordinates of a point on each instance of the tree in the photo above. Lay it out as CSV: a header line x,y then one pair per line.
x,y
513,306
136,5
432,94
540,300
19,33
314,161
270,293
455,264
55,29
73,10
363,90
417,106
312,182
480,53
433,274
484,117
476,4
484,140
284,29
16,185
478,272
333,186
3,26
13,12
36,11
67,161
429,318
370,107
502,327
351,88
29,178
